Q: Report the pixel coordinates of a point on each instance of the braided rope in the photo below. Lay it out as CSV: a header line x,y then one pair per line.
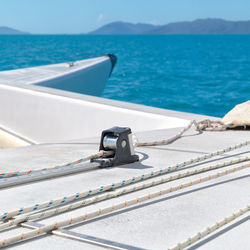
x,y
97,155
209,125
110,209
211,229
204,125
25,172
110,195
166,141
67,199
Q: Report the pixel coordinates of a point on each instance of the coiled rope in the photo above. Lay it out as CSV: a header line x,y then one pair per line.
x,y
209,125
110,209
211,229
110,195
122,183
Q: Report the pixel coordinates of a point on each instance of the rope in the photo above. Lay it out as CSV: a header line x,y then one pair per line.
x,y
209,125
205,125
166,141
110,209
25,172
129,181
94,156
117,193
211,229
199,126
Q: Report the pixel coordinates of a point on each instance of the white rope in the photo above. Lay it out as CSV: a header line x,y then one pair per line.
x,y
102,153
208,125
67,199
211,229
116,185
166,141
87,158
205,125
110,209
110,195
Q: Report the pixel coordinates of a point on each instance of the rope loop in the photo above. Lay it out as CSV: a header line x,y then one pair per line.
x,y
208,125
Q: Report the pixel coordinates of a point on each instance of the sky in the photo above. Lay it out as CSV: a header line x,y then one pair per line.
x,y
82,16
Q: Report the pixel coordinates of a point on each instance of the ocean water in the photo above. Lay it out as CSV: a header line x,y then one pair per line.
x,y
204,74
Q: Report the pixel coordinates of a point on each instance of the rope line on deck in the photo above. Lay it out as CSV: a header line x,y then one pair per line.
x,y
208,125
205,125
66,199
211,229
114,194
110,209
198,125
19,173
97,155
166,141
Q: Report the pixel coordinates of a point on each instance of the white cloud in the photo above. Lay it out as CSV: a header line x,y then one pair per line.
x,y
100,17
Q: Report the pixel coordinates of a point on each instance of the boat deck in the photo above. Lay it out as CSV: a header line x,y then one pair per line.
x,y
8,140
158,223
35,75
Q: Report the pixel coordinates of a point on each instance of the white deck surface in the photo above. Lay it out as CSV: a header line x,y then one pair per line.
x,y
157,224
35,75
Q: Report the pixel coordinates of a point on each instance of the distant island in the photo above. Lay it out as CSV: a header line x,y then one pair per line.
x,y
199,26
9,31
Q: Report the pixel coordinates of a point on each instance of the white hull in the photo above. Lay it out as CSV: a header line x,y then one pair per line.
x,y
48,115
86,76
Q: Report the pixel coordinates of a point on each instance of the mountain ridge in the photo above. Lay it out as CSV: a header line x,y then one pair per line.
x,y
198,26
124,28
4,30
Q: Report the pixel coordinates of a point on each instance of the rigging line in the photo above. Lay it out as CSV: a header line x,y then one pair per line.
x,y
211,229
166,141
129,181
103,153
26,172
202,125
99,154
110,209
115,194
107,153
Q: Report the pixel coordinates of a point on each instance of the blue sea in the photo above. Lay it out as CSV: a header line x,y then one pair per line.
x,y
204,74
